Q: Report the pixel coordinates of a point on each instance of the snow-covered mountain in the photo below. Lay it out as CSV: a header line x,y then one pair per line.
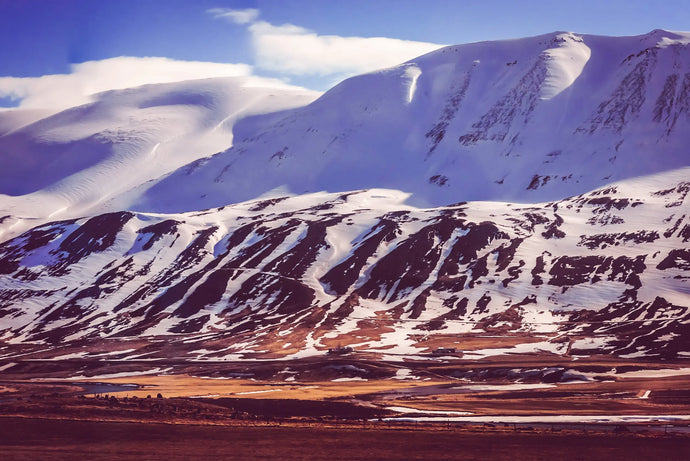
x,y
90,159
526,120
235,220
603,271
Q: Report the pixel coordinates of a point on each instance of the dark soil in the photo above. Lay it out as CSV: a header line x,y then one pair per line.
x,y
30,439
286,408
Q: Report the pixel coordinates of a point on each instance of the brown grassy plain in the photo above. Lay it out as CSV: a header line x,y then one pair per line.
x,y
314,414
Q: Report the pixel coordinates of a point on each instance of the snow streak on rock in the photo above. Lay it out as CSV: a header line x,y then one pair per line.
x,y
355,268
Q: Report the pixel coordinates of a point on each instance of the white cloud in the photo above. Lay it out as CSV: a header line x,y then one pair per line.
x,y
288,50
237,16
294,50
61,91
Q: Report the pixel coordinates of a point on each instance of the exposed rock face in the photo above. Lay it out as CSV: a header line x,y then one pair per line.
x,y
297,274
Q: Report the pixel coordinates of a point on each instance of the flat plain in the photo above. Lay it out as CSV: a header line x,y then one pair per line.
x,y
610,409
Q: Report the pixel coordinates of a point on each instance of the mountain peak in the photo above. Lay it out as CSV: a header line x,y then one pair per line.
x,y
536,119
529,120
662,37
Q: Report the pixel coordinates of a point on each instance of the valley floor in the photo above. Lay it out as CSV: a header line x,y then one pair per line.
x,y
517,407
29,439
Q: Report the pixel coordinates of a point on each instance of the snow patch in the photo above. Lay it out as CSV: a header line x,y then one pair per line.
x,y
412,73
564,64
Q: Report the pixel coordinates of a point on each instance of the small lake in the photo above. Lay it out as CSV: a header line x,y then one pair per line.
x,y
104,388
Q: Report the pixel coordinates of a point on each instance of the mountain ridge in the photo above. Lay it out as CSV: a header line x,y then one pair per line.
x,y
214,220
479,127
291,277
502,148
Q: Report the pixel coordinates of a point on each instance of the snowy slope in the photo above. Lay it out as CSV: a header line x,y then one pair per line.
x,y
526,120
86,160
289,277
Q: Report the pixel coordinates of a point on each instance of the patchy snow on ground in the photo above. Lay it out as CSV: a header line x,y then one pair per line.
x,y
432,412
547,419
124,374
503,387
258,392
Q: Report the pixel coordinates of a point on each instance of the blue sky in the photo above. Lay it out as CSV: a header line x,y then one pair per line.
x,y
311,43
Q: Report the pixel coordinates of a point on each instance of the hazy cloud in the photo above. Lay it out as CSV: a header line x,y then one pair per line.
x,y
67,90
294,50
287,50
244,16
